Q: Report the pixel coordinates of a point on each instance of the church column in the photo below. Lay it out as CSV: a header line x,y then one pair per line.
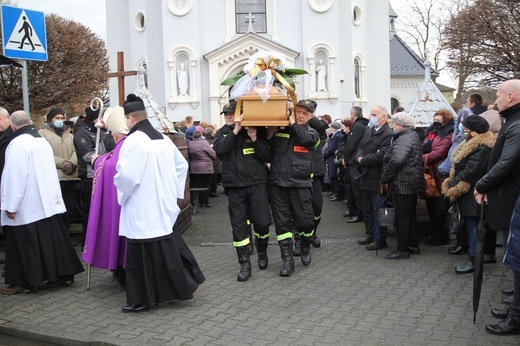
x,y
272,15
173,83
332,80
192,83
312,70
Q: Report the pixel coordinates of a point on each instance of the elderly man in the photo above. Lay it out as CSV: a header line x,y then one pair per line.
x,y
151,175
38,248
244,154
290,181
500,187
372,149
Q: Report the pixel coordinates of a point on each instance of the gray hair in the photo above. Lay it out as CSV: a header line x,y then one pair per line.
x,y
20,118
358,111
4,112
383,110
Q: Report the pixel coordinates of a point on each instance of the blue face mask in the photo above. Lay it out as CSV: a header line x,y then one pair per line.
x,y
58,124
374,122
461,128
394,131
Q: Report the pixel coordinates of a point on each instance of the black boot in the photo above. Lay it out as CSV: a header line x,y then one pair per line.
x,y
245,263
287,258
315,241
306,250
261,249
297,250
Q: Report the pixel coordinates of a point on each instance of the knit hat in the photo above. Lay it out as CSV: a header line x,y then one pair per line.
x,y
115,121
229,107
403,118
335,125
53,112
476,123
133,103
307,104
91,115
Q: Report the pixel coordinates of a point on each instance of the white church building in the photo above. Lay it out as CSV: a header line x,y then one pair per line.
x,y
190,47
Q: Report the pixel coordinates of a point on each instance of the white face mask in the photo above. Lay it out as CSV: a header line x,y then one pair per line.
x,y
58,124
374,121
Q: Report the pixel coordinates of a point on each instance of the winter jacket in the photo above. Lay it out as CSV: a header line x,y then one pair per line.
x,y
502,181
372,149
243,161
512,255
217,163
318,161
356,134
440,146
201,156
291,161
63,149
85,145
330,153
402,167
469,164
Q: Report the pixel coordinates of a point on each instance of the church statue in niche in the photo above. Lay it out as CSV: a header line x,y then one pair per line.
x,y
321,74
182,80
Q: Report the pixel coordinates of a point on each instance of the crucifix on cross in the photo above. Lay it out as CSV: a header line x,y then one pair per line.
x,y
120,75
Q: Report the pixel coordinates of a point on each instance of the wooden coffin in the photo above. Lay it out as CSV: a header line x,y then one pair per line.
x,y
256,112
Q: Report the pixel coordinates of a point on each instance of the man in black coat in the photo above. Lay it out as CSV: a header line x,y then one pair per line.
x,y
354,192
501,186
373,148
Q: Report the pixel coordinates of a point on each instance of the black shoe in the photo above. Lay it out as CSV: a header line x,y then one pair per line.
x,y
207,205
498,313
134,308
508,291
414,250
353,219
214,195
451,248
458,250
506,327
315,241
397,255
334,199
347,214
507,300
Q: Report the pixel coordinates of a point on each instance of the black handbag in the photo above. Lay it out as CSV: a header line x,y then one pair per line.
x,y
456,221
385,214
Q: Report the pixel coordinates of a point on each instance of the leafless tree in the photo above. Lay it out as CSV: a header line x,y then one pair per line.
x,y
76,70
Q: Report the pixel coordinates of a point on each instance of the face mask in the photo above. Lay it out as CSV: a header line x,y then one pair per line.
x,y
394,131
465,134
58,124
437,124
374,122
461,128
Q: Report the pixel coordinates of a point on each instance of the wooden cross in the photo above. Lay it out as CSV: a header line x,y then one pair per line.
x,y
120,75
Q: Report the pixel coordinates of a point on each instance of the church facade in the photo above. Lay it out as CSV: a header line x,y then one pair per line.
x,y
191,46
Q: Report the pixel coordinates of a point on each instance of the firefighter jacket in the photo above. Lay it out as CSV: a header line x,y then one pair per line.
x,y
243,161
291,162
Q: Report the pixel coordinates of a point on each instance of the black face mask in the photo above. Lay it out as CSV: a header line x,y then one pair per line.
x,y
437,124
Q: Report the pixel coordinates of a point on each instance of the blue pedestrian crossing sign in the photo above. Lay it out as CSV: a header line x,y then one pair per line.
x,y
23,34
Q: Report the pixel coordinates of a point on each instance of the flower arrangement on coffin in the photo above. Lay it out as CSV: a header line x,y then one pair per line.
x,y
264,78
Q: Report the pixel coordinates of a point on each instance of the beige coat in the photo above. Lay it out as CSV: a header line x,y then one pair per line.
x,y
63,149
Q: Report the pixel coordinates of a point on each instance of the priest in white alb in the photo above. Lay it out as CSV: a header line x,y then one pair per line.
x,y
151,175
38,247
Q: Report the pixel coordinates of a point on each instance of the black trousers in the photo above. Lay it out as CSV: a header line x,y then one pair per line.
x,y
438,229
406,221
354,193
317,201
370,203
69,191
291,207
200,181
248,203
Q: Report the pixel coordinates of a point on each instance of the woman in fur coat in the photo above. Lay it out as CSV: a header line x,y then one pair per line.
x,y
469,164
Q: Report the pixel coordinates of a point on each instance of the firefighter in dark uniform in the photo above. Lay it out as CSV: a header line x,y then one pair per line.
x,y
319,172
244,154
290,181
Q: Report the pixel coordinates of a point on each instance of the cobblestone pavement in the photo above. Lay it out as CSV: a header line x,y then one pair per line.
x,y
347,296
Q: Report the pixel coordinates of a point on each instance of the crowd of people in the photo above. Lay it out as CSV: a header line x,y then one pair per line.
x,y
276,175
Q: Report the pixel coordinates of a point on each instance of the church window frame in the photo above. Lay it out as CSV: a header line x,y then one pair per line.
x,y
258,9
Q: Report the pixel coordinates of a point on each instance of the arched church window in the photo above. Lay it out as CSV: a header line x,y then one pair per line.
x,y
357,88
250,12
